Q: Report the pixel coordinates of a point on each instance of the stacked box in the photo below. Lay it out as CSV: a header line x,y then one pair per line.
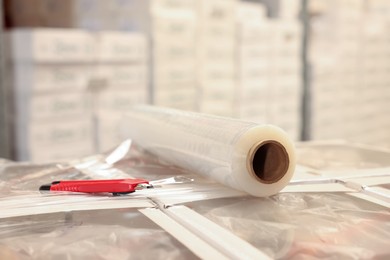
x,y
350,82
269,69
374,92
173,36
48,76
289,9
170,27
285,94
252,63
122,62
216,56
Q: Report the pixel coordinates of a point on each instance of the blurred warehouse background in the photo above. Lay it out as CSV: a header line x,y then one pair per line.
x,y
69,69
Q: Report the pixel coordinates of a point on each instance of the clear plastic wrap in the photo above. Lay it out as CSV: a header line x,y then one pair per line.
x,y
19,183
284,226
99,234
257,159
341,156
305,225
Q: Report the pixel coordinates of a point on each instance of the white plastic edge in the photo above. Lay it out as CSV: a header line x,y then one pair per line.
x,y
198,246
31,205
216,236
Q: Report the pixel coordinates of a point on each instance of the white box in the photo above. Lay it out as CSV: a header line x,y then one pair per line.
x,y
60,132
54,153
50,45
180,25
108,130
168,51
41,136
174,72
214,107
249,12
129,76
30,79
217,12
121,47
173,5
179,98
118,101
50,106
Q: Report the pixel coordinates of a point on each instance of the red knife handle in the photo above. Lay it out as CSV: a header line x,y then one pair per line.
x,y
115,186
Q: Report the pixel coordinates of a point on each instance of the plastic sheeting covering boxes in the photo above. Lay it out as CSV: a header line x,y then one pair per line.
x,y
337,199
49,72
216,56
122,68
52,75
170,27
350,83
268,69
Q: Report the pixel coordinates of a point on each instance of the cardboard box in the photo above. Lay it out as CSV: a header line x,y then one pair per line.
x,y
129,76
249,12
220,108
121,47
43,136
179,98
49,107
108,130
119,100
50,46
29,79
54,153
175,73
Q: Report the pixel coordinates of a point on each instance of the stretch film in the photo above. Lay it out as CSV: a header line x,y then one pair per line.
x,y
257,159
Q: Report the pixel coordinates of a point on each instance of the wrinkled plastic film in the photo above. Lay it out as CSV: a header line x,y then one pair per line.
x,y
97,234
257,159
305,225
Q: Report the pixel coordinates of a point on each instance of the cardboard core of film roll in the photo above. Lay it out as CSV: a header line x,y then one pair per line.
x,y
268,161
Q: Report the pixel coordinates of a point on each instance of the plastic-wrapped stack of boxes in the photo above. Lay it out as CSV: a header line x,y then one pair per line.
x,y
216,56
252,63
335,71
372,104
49,73
268,69
170,26
173,37
350,83
285,87
121,81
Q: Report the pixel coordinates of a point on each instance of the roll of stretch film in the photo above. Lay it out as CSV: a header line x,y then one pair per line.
x,y
258,159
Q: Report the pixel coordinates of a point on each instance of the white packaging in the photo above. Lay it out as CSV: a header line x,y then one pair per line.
x,y
40,136
217,107
161,6
108,130
180,25
181,50
62,152
50,45
174,72
130,76
185,98
250,12
50,106
289,9
30,79
121,47
258,159
119,100
217,13
60,132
